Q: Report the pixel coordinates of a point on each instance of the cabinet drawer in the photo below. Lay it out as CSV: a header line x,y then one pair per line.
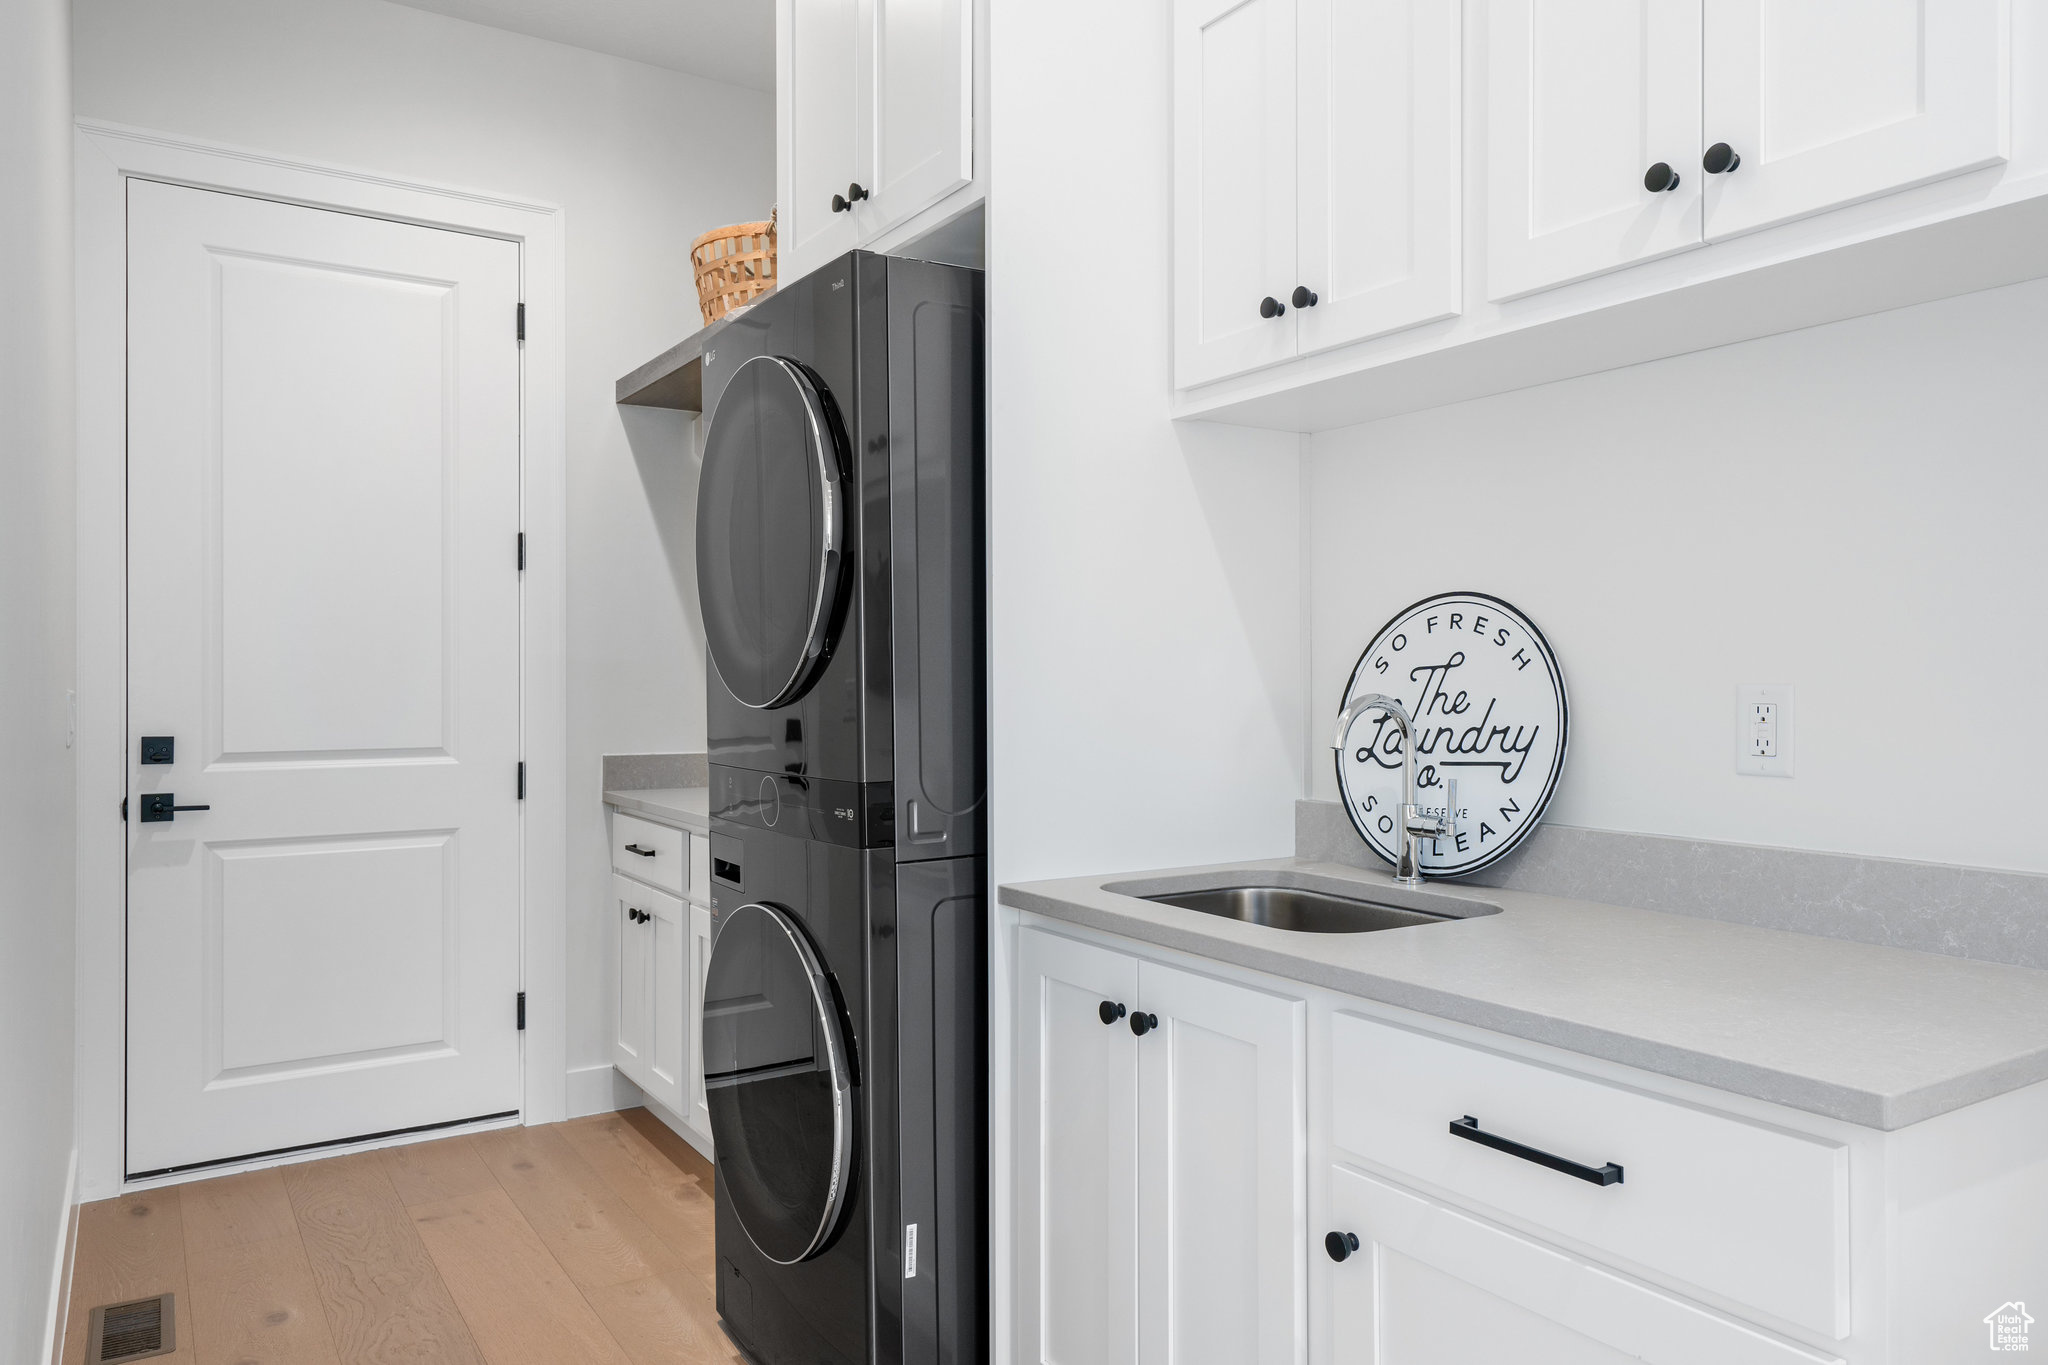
x,y
1757,1214
1430,1283
653,853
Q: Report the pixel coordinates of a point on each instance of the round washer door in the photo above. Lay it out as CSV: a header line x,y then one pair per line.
x,y
777,1080
770,531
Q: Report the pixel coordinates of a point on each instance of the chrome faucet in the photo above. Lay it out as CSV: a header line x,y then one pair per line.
x,y
1414,825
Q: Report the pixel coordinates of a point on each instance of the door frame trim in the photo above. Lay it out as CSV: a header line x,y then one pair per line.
x,y
106,156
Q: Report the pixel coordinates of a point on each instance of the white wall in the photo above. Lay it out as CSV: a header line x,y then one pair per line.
x,y
640,160
37,1115
1146,650
1855,510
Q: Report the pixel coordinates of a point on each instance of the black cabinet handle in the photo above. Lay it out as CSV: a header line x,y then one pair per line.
x,y
854,194
1468,1129
643,852
1109,1011
1142,1024
1660,178
839,204
1720,159
1270,307
1340,1245
637,916
1304,297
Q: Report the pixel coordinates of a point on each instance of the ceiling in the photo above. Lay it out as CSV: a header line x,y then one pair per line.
x,y
723,40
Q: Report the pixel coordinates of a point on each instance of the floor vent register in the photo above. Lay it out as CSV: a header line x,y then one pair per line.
x,y
136,1330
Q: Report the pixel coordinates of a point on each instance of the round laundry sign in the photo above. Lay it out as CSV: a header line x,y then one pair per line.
x,y
1488,705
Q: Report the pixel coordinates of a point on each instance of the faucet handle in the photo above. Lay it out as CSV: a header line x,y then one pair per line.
x,y
1450,802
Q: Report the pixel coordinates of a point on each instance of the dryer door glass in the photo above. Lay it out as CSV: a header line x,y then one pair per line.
x,y
777,1080
770,530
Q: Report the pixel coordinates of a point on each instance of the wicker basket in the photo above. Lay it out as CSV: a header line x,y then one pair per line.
x,y
734,265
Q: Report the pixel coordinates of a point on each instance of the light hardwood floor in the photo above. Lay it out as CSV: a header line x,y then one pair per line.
x,y
582,1241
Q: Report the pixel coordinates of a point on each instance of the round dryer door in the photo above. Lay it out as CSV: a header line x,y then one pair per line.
x,y
770,531
777,1080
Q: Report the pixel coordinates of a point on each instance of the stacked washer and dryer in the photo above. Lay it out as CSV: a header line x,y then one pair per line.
x,y
839,566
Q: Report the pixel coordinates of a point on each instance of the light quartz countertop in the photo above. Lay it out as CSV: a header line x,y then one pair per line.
x,y
682,807
1880,1037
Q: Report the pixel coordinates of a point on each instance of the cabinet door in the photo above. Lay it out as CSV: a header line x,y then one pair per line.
x,y
635,1030
1582,100
819,59
1431,1285
920,107
1222,1204
667,936
1381,158
1827,105
1233,185
1077,1142
699,1112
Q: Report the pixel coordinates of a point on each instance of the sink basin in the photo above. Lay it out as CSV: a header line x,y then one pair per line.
x,y
1304,912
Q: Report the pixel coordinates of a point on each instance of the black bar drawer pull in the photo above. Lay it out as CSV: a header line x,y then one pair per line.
x,y
643,852
1468,1128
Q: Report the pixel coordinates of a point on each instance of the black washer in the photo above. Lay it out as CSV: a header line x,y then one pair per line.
x,y
777,1078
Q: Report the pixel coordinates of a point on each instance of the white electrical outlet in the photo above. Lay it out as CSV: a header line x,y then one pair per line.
x,y
1763,729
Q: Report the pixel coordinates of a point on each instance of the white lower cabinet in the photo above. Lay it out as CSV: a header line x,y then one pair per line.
x,y
1163,1162
653,996
661,894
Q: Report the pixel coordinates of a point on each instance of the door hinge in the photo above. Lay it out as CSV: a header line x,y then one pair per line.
x,y
522,322
522,779
522,1011
522,552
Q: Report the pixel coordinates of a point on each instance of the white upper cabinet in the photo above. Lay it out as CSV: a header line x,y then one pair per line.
x,y
1379,120
1828,103
1317,180
1583,100
923,139
818,89
1233,185
874,110
1632,165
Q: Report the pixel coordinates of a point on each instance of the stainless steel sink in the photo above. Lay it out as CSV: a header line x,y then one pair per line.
x,y
1304,912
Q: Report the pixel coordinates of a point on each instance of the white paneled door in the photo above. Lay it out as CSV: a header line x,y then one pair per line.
x,y
323,616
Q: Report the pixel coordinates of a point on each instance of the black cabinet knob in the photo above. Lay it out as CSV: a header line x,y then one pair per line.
x,y
1304,297
1720,159
1270,307
1109,1011
1142,1024
1340,1245
1660,178
839,204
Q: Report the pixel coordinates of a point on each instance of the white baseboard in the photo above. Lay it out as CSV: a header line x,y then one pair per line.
x,y
60,1271
601,1090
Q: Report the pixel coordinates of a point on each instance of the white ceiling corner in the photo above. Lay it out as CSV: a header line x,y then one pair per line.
x,y
721,40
